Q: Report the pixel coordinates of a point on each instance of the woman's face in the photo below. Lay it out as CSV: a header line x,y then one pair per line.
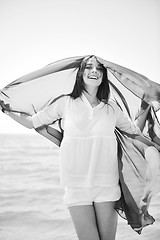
x,y
93,73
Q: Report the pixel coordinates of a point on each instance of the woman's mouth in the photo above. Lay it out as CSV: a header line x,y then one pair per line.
x,y
93,77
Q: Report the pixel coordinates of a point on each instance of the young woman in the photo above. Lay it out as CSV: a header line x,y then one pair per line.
x,y
88,153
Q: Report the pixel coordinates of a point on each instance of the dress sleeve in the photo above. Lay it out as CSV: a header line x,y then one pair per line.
x,y
125,124
50,113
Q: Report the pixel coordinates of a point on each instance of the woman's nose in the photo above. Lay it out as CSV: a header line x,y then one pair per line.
x,y
94,69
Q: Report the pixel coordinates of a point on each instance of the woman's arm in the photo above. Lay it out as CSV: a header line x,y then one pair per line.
x,y
43,117
141,120
147,142
156,140
153,135
21,118
129,128
144,114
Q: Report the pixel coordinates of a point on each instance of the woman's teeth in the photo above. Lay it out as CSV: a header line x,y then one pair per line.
x,y
93,77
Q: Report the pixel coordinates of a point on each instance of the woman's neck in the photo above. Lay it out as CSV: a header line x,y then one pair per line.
x,y
91,95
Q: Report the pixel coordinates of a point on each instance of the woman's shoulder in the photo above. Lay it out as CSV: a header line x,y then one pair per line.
x,y
60,99
112,103
114,106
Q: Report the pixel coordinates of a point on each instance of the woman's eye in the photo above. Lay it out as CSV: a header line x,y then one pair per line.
x,y
99,68
88,67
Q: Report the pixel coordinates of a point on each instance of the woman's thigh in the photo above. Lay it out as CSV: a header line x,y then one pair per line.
x,y
107,218
84,220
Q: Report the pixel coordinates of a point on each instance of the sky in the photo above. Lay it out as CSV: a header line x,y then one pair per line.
x,y
35,33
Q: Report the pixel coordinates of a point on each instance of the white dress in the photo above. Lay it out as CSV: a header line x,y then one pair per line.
x,y
88,153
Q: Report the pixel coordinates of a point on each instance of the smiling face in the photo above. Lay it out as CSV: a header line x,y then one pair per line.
x,y
93,73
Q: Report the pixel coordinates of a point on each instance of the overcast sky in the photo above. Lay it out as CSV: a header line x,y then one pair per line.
x,y
35,33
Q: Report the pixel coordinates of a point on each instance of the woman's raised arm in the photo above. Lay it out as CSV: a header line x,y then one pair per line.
x,y
21,118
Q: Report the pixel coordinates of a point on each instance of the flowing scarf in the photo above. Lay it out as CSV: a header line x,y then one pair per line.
x,y
139,177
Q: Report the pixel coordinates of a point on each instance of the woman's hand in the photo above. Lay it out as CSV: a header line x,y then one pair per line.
x,y
5,108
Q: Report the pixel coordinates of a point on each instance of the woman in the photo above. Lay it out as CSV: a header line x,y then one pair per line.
x,y
88,153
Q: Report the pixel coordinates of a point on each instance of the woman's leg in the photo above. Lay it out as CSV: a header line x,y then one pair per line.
x,y
98,222
84,220
107,218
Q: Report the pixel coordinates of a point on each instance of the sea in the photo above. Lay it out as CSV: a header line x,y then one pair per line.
x,y
31,198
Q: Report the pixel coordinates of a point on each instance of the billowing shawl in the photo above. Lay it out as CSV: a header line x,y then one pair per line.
x,y
139,177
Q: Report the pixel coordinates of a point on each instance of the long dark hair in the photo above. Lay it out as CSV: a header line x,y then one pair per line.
x,y
79,87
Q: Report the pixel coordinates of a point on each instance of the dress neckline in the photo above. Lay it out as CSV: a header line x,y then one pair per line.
x,y
89,104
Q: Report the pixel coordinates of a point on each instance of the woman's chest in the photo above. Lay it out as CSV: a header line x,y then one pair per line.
x,y
97,121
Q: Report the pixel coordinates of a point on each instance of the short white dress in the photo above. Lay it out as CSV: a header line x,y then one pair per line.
x,y
88,153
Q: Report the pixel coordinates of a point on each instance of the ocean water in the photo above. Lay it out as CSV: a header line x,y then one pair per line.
x,y
31,199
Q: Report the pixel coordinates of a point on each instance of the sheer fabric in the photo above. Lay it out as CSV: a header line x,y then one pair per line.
x,y
138,179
